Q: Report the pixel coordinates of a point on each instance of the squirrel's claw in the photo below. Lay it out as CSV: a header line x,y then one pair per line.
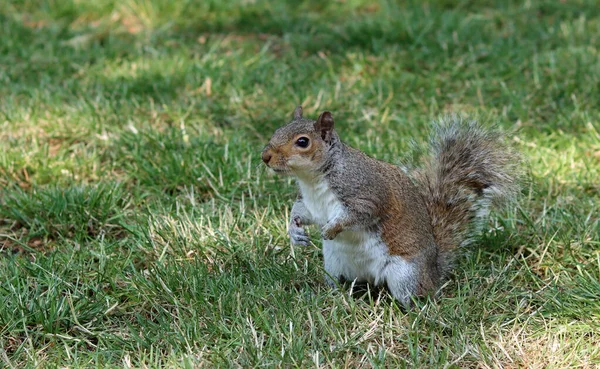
x,y
298,235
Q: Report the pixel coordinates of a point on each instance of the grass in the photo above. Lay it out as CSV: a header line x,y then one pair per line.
x,y
138,227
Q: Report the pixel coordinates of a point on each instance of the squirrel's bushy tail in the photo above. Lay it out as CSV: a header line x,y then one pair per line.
x,y
470,168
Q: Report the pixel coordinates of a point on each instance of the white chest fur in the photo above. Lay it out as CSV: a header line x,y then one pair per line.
x,y
320,200
355,254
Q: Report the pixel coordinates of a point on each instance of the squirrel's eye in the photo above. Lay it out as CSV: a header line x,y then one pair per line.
x,y
302,142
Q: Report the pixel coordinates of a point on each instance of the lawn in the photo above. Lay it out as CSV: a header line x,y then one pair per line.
x,y
139,227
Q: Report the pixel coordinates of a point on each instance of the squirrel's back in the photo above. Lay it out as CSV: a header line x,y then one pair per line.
x,y
469,169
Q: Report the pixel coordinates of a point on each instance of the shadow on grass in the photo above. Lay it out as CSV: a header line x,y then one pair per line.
x,y
432,34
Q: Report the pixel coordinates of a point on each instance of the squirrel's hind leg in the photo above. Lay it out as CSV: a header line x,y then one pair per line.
x,y
339,274
401,278
335,266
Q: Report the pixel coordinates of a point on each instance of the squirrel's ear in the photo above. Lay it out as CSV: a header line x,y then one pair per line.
x,y
324,125
298,112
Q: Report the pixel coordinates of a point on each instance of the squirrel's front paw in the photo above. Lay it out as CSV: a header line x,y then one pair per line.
x,y
331,230
297,233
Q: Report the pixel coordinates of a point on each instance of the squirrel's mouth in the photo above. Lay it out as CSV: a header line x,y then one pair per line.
x,y
281,171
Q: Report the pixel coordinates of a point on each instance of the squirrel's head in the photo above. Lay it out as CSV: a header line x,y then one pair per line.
x,y
301,145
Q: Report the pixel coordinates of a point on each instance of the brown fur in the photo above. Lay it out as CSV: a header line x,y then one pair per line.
x,y
406,229
405,224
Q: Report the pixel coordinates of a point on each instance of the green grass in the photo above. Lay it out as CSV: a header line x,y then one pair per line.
x,y
139,228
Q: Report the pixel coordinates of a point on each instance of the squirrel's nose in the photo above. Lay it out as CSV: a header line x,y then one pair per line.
x,y
266,156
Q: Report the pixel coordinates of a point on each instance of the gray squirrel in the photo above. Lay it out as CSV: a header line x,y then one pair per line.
x,y
381,224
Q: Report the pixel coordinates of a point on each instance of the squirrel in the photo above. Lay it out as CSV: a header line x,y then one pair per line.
x,y
382,224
